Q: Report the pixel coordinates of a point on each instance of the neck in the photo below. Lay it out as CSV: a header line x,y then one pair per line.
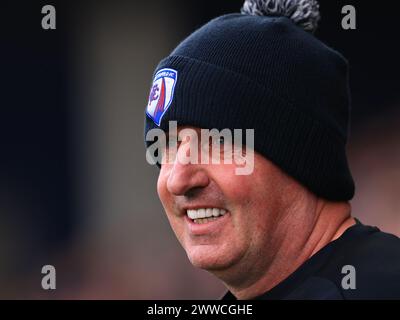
x,y
298,245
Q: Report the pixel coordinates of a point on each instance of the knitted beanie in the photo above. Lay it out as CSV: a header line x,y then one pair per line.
x,y
263,69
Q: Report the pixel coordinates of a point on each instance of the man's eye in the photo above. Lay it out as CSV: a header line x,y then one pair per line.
x,y
220,140
217,141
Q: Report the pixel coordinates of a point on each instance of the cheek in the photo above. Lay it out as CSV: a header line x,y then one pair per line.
x,y
254,198
162,190
241,198
166,199
163,194
233,186
241,191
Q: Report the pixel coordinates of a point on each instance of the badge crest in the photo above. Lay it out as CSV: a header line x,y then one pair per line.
x,y
161,94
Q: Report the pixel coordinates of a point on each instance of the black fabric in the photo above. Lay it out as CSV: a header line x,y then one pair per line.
x,y
265,73
375,256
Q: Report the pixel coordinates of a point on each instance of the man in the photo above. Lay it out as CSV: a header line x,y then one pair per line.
x,y
285,230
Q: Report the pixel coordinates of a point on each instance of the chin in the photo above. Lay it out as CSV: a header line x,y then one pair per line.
x,y
208,258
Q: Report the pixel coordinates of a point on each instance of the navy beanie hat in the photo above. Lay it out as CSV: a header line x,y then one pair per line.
x,y
263,69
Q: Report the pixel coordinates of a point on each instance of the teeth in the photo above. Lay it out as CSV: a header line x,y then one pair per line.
x,y
215,212
205,213
201,213
204,220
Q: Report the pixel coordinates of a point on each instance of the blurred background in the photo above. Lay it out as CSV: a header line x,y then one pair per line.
x,y
75,189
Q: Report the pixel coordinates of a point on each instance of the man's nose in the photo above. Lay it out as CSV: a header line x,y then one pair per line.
x,y
184,177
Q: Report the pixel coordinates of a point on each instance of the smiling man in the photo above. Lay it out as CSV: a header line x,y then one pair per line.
x,y
285,229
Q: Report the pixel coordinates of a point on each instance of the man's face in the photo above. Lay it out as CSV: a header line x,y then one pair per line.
x,y
255,206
